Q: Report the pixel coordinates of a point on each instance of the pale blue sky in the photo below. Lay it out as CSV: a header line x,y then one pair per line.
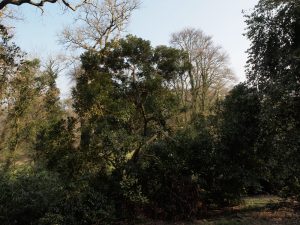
x,y
155,21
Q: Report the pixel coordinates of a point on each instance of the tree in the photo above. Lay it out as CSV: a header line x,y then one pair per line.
x,y
11,59
273,69
240,161
124,103
39,4
51,92
209,74
33,104
29,99
11,65
98,23
122,97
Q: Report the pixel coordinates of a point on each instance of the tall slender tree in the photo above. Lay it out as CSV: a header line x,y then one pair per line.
x,y
273,69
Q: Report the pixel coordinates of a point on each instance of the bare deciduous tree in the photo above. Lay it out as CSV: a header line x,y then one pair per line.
x,y
209,74
97,23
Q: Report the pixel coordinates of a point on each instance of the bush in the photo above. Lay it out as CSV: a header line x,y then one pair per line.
x,y
26,195
168,184
40,197
84,207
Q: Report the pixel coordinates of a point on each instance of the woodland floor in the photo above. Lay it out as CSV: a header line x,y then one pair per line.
x,y
262,210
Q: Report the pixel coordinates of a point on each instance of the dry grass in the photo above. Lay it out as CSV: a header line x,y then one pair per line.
x,y
263,210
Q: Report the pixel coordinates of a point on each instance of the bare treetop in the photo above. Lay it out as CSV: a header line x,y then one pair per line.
x,y
210,73
97,23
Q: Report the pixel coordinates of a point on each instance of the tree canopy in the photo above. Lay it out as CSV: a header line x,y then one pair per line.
x,y
149,132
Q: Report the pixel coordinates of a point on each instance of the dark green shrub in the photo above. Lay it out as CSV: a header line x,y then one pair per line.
x,y
168,184
26,195
82,207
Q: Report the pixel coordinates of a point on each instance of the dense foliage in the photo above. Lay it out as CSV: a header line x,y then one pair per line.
x,y
273,69
127,148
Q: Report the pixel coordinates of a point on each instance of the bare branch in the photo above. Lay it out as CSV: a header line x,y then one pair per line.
x,y
97,23
38,4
